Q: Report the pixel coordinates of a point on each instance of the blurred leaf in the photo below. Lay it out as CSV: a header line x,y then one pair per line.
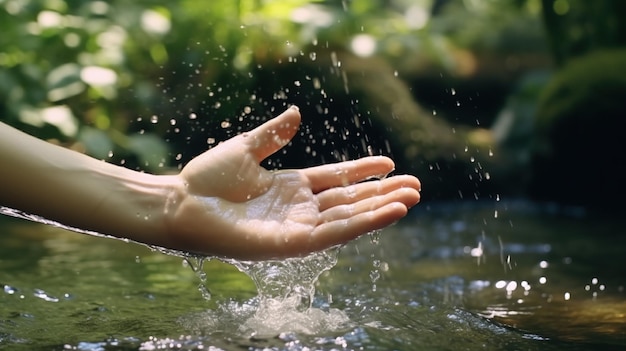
x,y
97,143
150,149
60,117
64,82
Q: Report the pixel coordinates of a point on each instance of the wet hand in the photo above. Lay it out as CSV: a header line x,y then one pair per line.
x,y
232,207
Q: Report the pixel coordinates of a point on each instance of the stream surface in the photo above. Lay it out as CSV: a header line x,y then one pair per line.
x,y
464,276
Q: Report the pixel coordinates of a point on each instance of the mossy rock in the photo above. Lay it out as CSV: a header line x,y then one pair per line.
x,y
580,145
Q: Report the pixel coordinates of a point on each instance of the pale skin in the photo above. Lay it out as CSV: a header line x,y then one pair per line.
x,y
222,203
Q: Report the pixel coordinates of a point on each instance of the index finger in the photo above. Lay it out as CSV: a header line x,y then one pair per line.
x,y
348,172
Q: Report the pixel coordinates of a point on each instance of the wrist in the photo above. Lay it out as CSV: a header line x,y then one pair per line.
x,y
158,200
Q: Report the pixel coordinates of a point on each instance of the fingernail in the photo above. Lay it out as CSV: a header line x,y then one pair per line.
x,y
294,107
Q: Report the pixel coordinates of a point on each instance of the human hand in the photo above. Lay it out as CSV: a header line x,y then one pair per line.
x,y
232,207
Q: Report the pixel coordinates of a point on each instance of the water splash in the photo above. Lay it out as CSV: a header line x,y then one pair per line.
x,y
288,278
285,300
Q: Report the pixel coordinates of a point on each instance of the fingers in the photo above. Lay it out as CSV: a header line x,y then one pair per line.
x,y
274,134
352,211
349,172
341,231
357,192
404,196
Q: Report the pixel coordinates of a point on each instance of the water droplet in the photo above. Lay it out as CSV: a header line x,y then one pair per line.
x,y
10,290
154,119
225,124
210,141
375,237
374,275
511,286
247,110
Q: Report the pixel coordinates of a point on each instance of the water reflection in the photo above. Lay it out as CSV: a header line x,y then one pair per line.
x,y
447,278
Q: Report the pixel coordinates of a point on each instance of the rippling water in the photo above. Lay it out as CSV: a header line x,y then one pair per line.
x,y
505,276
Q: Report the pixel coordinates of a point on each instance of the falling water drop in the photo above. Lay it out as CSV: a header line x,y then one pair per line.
x,y
197,265
374,276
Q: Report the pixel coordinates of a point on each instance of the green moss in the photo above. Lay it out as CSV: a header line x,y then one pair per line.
x,y
580,126
588,85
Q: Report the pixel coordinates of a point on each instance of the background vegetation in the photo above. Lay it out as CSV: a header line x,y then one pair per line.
x,y
477,98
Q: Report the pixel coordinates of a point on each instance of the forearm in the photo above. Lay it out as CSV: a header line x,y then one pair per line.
x,y
82,192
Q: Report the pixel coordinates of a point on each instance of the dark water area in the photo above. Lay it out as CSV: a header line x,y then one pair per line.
x,y
465,276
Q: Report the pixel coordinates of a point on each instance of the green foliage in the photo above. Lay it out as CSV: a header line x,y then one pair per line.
x,y
64,65
148,83
576,27
492,25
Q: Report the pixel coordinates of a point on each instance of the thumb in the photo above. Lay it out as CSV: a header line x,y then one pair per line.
x,y
274,134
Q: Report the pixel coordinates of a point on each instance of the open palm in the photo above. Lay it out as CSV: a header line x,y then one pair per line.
x,y
235,208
